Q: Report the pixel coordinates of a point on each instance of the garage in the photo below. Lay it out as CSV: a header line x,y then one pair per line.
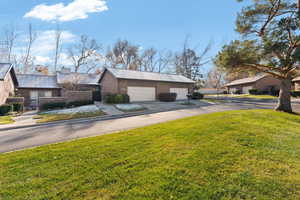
x,y
143,86
137,94
181,93
246,89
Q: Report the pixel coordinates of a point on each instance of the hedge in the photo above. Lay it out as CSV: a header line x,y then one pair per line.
x,y
295,93
197,96
167,97
116,99
52,106
5,109
253,91
17,107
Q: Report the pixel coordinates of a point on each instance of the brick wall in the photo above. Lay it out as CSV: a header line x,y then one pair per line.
x,y
77,95
67,96
7,88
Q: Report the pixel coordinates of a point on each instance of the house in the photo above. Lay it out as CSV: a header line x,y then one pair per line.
x,y
8,81
144,86
33,86
263,83
296,84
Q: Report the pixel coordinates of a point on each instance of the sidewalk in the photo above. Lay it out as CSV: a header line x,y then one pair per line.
x,y
112,113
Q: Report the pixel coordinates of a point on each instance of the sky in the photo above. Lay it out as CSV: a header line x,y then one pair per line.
x,y
163,24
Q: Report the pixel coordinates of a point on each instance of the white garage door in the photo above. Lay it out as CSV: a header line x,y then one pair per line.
x,y
181,93
246,89
142,94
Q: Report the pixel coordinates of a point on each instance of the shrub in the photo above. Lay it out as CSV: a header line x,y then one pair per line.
x,y
237,92
197,96
116,98
51,106
167,97
295,93
253,91
17,107
79,103
109,99
5,109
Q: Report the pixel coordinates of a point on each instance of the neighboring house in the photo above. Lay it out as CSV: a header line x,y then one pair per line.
x,y
212,90
263,83
33,86
8,81
144,86
296,83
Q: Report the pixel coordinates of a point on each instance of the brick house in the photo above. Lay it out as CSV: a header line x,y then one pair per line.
x,y
296,84
263,83
144,86
35,86
8,81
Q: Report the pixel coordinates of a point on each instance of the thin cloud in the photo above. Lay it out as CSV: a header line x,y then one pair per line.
x,y
78,9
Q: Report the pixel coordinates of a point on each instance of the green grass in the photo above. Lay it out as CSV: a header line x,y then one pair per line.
x,y
43,118
245,96
6,120
230,155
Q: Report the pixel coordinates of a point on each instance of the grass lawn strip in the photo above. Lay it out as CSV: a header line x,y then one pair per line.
x,y
245,96
43,118
230,155
6,120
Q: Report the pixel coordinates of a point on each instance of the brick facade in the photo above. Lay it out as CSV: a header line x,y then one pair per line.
x,y
112,85
7,88
25,92
267,83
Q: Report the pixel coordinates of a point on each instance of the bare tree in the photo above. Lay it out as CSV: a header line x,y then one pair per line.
x,y
164,61
149,60
58,34
189,62
11,35
82,53
123,55
215,79
28,58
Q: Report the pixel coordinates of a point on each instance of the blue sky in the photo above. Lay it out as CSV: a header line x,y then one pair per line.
x,y
163,24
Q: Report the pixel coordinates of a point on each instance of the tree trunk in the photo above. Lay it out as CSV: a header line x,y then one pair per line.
x,y
284,102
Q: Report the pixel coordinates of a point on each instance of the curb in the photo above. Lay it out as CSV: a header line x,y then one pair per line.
x,y
94,119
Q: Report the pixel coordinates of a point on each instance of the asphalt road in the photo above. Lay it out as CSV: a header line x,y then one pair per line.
x,y
19,139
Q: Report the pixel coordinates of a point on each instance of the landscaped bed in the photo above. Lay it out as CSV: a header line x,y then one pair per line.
x,y
6,120
71,113
229,155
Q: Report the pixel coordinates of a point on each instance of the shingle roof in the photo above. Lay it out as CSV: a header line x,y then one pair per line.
x,y
150,76
78,78
37,81
246,80
4,69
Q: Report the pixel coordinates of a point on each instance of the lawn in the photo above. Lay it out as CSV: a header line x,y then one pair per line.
x,y
43,118
6,120
230,155
245,96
